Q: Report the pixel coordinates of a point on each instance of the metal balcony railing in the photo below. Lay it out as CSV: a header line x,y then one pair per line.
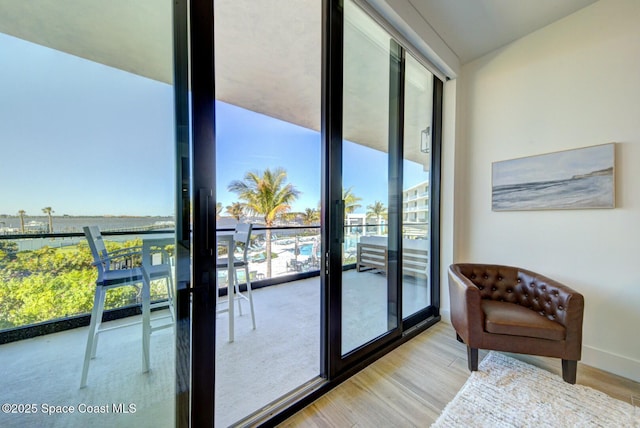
x,y
47,280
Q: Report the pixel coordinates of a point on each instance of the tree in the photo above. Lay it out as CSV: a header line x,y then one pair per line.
x,y
288,217
50,283
8,250
310,216
218,209
350,201
236,210
267,195
48,211
22,213
379,211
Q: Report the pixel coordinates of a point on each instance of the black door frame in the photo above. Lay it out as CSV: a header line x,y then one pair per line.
x,y
182,299
196,406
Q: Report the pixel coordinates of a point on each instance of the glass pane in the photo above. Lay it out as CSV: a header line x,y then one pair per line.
x,y
416,187
365,180
88,140
267,72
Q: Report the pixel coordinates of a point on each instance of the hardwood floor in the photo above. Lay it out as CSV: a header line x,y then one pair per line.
x,y
411,385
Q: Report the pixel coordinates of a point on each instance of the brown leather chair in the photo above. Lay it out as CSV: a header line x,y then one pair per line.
x,y
505,308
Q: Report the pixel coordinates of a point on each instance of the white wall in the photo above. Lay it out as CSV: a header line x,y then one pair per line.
x,y
572,84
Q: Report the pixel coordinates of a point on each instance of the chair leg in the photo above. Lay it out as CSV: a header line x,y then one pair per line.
x,y
146,320
169,282
91,339
231,296
472,358
569,371
101,295
237,288
250,294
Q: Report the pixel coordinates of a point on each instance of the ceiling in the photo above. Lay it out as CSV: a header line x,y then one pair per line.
x,y
132,35
473,28
261,66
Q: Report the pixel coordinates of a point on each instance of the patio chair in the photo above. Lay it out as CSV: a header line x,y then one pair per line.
x,y
119,268
242,236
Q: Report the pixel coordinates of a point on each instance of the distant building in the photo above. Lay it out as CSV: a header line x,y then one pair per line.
x,y
36,227
415,203
415,209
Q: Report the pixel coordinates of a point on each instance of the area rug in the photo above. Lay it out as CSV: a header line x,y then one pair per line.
x,y
506,392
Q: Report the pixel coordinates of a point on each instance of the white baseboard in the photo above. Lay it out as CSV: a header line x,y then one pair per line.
x,y
594,357
445,315
612,363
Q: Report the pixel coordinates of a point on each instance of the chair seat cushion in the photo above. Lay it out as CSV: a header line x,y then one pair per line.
x,y
515,320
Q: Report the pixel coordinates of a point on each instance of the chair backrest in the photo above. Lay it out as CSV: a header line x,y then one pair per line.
x,y
97,247
242,235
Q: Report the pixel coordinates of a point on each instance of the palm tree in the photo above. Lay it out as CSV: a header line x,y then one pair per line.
x,y
288,217
48,211
379,211
236,210
218,209
267,195
350,201
310,215
21,213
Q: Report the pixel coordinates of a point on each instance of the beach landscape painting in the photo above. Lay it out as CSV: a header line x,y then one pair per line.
x,y
572,179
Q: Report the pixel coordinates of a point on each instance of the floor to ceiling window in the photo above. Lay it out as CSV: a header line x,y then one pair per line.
x,y
416,187
382,136
267,123
365,177
96,122
267,140
88,139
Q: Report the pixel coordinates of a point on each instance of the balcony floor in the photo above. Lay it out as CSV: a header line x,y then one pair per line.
x,y
258,367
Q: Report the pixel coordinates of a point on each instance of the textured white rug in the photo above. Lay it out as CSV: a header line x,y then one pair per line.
x,y
506,392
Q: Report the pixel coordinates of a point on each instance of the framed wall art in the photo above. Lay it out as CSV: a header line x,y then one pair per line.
x,y
571,179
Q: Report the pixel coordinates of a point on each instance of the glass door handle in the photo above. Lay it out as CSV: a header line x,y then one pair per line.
x,y
205,197
338,223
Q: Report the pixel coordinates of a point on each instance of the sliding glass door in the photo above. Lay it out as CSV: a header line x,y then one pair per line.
x,y
267,173
382,136
366,261
367,300
416,187
89,122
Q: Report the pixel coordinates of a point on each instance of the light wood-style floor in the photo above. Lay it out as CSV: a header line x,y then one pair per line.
x,y
411,385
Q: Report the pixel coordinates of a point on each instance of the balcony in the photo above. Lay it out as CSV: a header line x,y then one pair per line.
x,y
46,369
409,198
257,368
416,209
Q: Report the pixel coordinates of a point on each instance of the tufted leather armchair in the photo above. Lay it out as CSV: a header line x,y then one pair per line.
x,y
505,308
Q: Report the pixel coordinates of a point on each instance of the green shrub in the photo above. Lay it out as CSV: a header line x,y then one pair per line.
x,y
52,283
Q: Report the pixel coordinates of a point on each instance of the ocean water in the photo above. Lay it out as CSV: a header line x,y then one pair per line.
x,y
588,192
68,224
10,225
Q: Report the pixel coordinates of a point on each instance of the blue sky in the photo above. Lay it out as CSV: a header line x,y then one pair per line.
x,y
88,139
81,137
248,141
